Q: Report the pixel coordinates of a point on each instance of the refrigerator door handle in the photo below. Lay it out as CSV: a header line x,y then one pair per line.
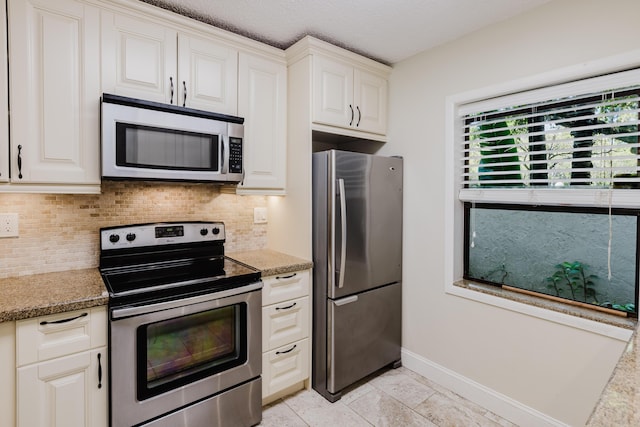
x,y
343,224
345,301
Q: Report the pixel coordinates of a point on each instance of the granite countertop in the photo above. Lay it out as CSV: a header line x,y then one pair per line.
x,y
49,293
619,404
41,294
271,262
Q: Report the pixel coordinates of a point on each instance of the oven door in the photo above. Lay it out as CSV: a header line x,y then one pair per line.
x,y
168,355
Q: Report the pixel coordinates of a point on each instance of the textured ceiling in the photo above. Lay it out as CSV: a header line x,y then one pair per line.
x,y
385,30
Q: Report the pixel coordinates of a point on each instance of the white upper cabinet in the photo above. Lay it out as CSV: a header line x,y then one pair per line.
x,y
370,98
4,97
262,101
208,75
348,96
54,78
139,59
155,62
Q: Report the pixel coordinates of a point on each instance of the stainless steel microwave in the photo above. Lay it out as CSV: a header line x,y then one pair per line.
x,y
153,141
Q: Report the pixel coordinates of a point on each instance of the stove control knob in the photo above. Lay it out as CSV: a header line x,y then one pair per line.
x,y
215,230
131,237
114,238
204,232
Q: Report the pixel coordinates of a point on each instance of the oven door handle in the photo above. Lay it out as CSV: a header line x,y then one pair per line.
x,y
119,313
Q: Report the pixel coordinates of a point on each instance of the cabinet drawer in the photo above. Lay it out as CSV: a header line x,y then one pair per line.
x,y
56,335
284,323
285,287
284,367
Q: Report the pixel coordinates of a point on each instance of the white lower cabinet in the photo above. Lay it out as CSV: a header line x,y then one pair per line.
x,y
285,367
285,322
286,317
64,392
62,377
7,373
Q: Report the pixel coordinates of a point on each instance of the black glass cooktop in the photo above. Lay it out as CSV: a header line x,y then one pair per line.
x,y
176,278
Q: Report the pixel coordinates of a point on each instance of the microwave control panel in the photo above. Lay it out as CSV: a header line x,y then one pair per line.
x,y
235,155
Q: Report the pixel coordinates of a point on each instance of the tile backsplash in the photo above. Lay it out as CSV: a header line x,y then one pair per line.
x,y
61,231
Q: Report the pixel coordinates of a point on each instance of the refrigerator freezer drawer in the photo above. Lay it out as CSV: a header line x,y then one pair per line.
x,y
364,335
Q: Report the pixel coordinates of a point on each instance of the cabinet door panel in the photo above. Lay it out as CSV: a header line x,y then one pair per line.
x,y
332,92
285,287
55,116
284,367
370,97
64,392
209,72
262,102
4,112
284,323
139,59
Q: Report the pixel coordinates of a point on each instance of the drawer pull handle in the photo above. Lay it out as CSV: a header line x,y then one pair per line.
x,y
57,322
99,371
287,351
286,277
287,307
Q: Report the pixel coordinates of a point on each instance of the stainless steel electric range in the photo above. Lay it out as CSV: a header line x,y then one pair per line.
x,y
185,328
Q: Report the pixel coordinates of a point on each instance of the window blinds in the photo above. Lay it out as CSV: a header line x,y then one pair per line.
x,y
581,134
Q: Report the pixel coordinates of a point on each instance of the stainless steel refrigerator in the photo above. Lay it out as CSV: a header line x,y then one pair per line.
x,y
357,255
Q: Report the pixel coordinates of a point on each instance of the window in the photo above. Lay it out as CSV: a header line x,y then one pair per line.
x,y
556,251
549,179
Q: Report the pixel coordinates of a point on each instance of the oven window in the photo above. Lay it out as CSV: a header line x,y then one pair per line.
x,y
185,349
159,148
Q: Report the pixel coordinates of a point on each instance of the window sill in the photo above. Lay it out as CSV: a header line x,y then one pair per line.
x,y
610,325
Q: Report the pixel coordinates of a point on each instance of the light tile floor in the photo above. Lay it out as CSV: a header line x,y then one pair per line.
x,y
394,398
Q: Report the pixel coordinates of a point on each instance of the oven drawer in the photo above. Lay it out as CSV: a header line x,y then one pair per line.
x,y
285,366
285,323
56,335
285,287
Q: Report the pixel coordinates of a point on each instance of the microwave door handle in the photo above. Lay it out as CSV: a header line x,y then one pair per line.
x,y
223,166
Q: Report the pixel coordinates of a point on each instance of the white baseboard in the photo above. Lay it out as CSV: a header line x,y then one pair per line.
x,y
495,402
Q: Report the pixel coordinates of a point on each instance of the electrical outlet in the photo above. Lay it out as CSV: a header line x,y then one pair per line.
x,y
8,225
259,215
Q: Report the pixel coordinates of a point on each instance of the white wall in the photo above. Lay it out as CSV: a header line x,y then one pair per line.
x,y
551,368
